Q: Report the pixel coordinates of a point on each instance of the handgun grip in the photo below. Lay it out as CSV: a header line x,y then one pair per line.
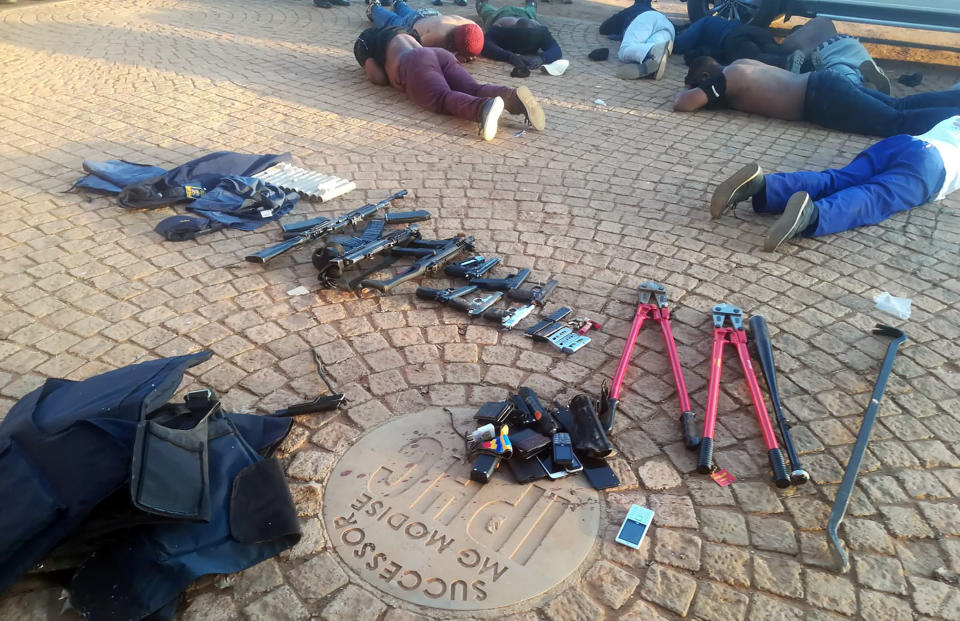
x,y
429,293
495,314
458,303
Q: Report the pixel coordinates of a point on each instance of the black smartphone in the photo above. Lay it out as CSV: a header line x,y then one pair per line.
x,y
526,470
574,466
562,449
527,442
600,474
493,412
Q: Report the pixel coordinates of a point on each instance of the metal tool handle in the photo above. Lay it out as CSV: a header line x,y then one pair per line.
x,y
761,339
860,446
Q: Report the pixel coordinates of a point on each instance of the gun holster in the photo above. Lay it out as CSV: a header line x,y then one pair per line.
x,y
587,435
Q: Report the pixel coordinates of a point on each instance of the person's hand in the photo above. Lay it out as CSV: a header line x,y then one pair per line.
x,y
518,61
532,61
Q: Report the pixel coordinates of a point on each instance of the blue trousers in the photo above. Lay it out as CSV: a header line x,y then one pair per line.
x,y
401,15
834,102
892,175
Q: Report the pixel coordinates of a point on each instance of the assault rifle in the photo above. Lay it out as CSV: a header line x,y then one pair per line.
x,y
340,257
432,255
323,228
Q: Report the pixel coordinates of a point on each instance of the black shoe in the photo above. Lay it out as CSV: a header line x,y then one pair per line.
x,y
386,2
460,2
744,184
323,4
797,216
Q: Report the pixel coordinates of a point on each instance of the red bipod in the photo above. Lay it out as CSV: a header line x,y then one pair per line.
x,y
660,312
736,335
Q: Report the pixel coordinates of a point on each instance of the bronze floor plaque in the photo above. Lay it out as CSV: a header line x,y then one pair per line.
x,y
401,511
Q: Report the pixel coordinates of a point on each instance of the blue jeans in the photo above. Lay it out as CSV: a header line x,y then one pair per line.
x,y
841,54
892,175
835,103
402,15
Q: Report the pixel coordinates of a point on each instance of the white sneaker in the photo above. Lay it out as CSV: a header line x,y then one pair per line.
x,y
490,118
557,67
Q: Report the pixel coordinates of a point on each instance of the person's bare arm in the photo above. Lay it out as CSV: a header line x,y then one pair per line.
x,y
375,73
690,100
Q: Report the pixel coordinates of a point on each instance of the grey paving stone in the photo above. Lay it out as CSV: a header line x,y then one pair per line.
x,y
281,605
353,604
318,577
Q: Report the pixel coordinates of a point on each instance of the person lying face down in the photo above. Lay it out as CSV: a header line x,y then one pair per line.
x,y
822,97
893,175
512,34
825,48
646,39
432,78
730,40
453,33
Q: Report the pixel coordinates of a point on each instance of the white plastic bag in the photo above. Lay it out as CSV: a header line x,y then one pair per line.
x,y
898,307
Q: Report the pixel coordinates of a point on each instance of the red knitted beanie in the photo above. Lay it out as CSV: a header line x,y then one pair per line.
x,y
468,40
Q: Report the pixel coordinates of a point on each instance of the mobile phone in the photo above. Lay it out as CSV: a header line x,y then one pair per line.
x,y
575,465
562,449
635,526
600,474
553,470
484,467
493,412
527,442
526,470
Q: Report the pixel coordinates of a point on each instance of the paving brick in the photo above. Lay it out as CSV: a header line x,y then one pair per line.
x,y
727,564
719,603
670,589
724,527
677,548
658,474
834,593
278,605
573,605
318,577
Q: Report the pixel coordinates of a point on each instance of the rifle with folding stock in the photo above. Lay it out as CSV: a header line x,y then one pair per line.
x,y
353,258
325,227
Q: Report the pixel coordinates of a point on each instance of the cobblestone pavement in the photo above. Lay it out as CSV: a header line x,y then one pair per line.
x,y
608,196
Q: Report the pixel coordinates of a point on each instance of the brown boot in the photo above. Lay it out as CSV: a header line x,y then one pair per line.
x,y
522,101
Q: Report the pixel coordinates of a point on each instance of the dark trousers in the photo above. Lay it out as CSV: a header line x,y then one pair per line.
x,y
432,78
892,175
836,103
755,43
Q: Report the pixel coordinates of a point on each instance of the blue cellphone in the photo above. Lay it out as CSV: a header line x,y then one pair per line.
x,y
635,526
